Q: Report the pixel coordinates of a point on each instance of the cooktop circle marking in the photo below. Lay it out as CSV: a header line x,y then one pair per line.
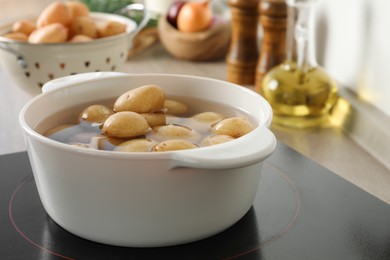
x,y
10,204
287,227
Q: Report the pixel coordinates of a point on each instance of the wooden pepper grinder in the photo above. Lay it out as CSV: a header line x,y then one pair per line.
x,y
243,50
273,19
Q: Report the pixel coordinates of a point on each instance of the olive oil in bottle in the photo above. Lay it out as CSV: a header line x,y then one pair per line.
x,y
300,92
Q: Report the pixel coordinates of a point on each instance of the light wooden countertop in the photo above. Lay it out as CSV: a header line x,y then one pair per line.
x,y
352,151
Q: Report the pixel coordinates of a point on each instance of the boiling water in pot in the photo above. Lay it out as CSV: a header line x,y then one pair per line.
x,y
66,126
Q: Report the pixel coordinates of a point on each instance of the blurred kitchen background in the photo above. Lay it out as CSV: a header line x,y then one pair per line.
x,y
352,42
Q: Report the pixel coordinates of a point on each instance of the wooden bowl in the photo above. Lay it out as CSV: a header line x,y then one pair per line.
x,y
211,44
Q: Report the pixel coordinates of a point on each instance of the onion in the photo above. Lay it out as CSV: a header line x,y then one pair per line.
x,y
194,17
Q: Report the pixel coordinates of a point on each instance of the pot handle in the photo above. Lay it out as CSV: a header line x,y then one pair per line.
x,y
251,148
19,58
63,82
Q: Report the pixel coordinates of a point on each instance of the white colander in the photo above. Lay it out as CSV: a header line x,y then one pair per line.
x,y
32,65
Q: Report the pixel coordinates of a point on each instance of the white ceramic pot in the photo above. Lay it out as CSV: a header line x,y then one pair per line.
x,y
146,199
32,65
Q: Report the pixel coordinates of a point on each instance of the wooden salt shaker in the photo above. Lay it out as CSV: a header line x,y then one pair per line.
x,y
273,19
243,50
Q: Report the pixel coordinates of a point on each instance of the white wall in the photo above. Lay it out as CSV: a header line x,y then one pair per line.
x,y
21,8
353,44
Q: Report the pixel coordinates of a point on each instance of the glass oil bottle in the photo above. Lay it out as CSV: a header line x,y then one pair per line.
x,y
300,92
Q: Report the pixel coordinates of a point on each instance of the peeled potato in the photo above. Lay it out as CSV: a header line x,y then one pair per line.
x,y
17,36
208,117
136,145
83,25
216,139
110,28
23,26
52,33
106,143
175,132
174,107
77,8
154,119
145,99
125,124
56,12
202,122
171,145
95,114
234,127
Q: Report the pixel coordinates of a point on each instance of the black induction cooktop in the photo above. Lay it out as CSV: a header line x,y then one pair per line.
x,y
302,211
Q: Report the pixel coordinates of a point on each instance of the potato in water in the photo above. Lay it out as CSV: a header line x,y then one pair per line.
x,y
136,145
174,107
143,120
208,117
216,139
125,124
203,121
155,119
234,127
173,145
167,132
145,99
96,114
106,143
